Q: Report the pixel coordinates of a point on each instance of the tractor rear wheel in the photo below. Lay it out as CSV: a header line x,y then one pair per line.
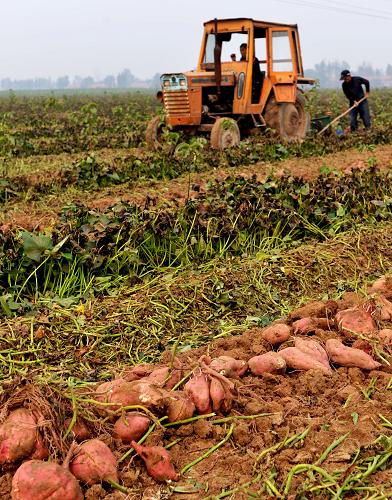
x,y
225,134
290,120
154,133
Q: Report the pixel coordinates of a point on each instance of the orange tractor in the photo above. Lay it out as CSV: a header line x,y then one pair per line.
x,y
248,76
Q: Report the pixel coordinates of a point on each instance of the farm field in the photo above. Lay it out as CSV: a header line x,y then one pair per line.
x,y
116,261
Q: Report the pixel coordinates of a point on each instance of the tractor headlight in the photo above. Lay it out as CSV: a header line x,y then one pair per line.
x,y
176,81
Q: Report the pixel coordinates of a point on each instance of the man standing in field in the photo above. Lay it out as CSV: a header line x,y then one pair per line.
x,y
353,89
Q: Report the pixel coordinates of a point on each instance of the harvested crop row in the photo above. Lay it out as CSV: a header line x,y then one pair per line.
x,y
125,407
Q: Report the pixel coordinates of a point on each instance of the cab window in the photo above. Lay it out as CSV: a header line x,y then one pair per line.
x,y
281,52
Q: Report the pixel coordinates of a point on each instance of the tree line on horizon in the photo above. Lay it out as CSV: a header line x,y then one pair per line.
x,y
326,72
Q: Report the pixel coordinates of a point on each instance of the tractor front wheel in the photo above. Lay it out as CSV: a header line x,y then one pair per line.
x,y
290,120
154,133
225,134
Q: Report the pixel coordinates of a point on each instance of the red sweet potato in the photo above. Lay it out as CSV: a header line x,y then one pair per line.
x,y
229,367
37,480
384,308
270,362
198,389
179,406
18,434
385,336
276,334
137,372
364,345
116,391
349,356
131,426
316,309
383,285
217,394
94,463
149,395
162,377
158,462
122,393
356,319
313,349
298,360
80,431
308,325
40,450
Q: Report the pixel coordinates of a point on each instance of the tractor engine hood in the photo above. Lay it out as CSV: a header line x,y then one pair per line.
x,y
207,78
194,79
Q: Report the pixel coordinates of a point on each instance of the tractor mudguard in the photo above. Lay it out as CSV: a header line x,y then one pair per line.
x,y
285,92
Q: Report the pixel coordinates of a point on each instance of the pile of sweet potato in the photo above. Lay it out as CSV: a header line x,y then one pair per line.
x,y
317,336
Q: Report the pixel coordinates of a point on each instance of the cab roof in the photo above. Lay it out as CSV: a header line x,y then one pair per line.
x,y
248,20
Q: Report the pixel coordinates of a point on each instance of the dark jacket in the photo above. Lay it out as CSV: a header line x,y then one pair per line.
x,y
256,71
353,90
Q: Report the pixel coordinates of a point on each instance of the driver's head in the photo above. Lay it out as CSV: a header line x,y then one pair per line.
x,y
243,49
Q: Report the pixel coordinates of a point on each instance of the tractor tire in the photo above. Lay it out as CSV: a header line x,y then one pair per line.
x,y
154,134
225,134
290,120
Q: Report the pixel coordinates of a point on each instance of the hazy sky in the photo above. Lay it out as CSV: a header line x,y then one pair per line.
x,y
98,37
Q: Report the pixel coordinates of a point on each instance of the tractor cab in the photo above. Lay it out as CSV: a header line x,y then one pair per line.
x,y
247,77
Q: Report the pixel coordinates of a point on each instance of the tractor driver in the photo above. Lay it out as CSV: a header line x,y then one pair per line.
x,y
257,77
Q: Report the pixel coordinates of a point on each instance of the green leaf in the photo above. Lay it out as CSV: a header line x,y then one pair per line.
x,y
355,417
341,211
35,245
324,170
304,190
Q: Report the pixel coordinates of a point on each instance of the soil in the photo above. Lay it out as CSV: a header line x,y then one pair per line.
x,y
38,215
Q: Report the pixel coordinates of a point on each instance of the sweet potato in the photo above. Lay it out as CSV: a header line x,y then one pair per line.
x,y
316,309
384,308
364,345
122,393
221,398
158,462
356,319
198,389
270,362
179,406
94,463
229,367
40,450
349,356
276,334
383,285
308,325
313,349
80,431
18,435
164,378
131,426
37,480
137,372
385,336
298,360
116,391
